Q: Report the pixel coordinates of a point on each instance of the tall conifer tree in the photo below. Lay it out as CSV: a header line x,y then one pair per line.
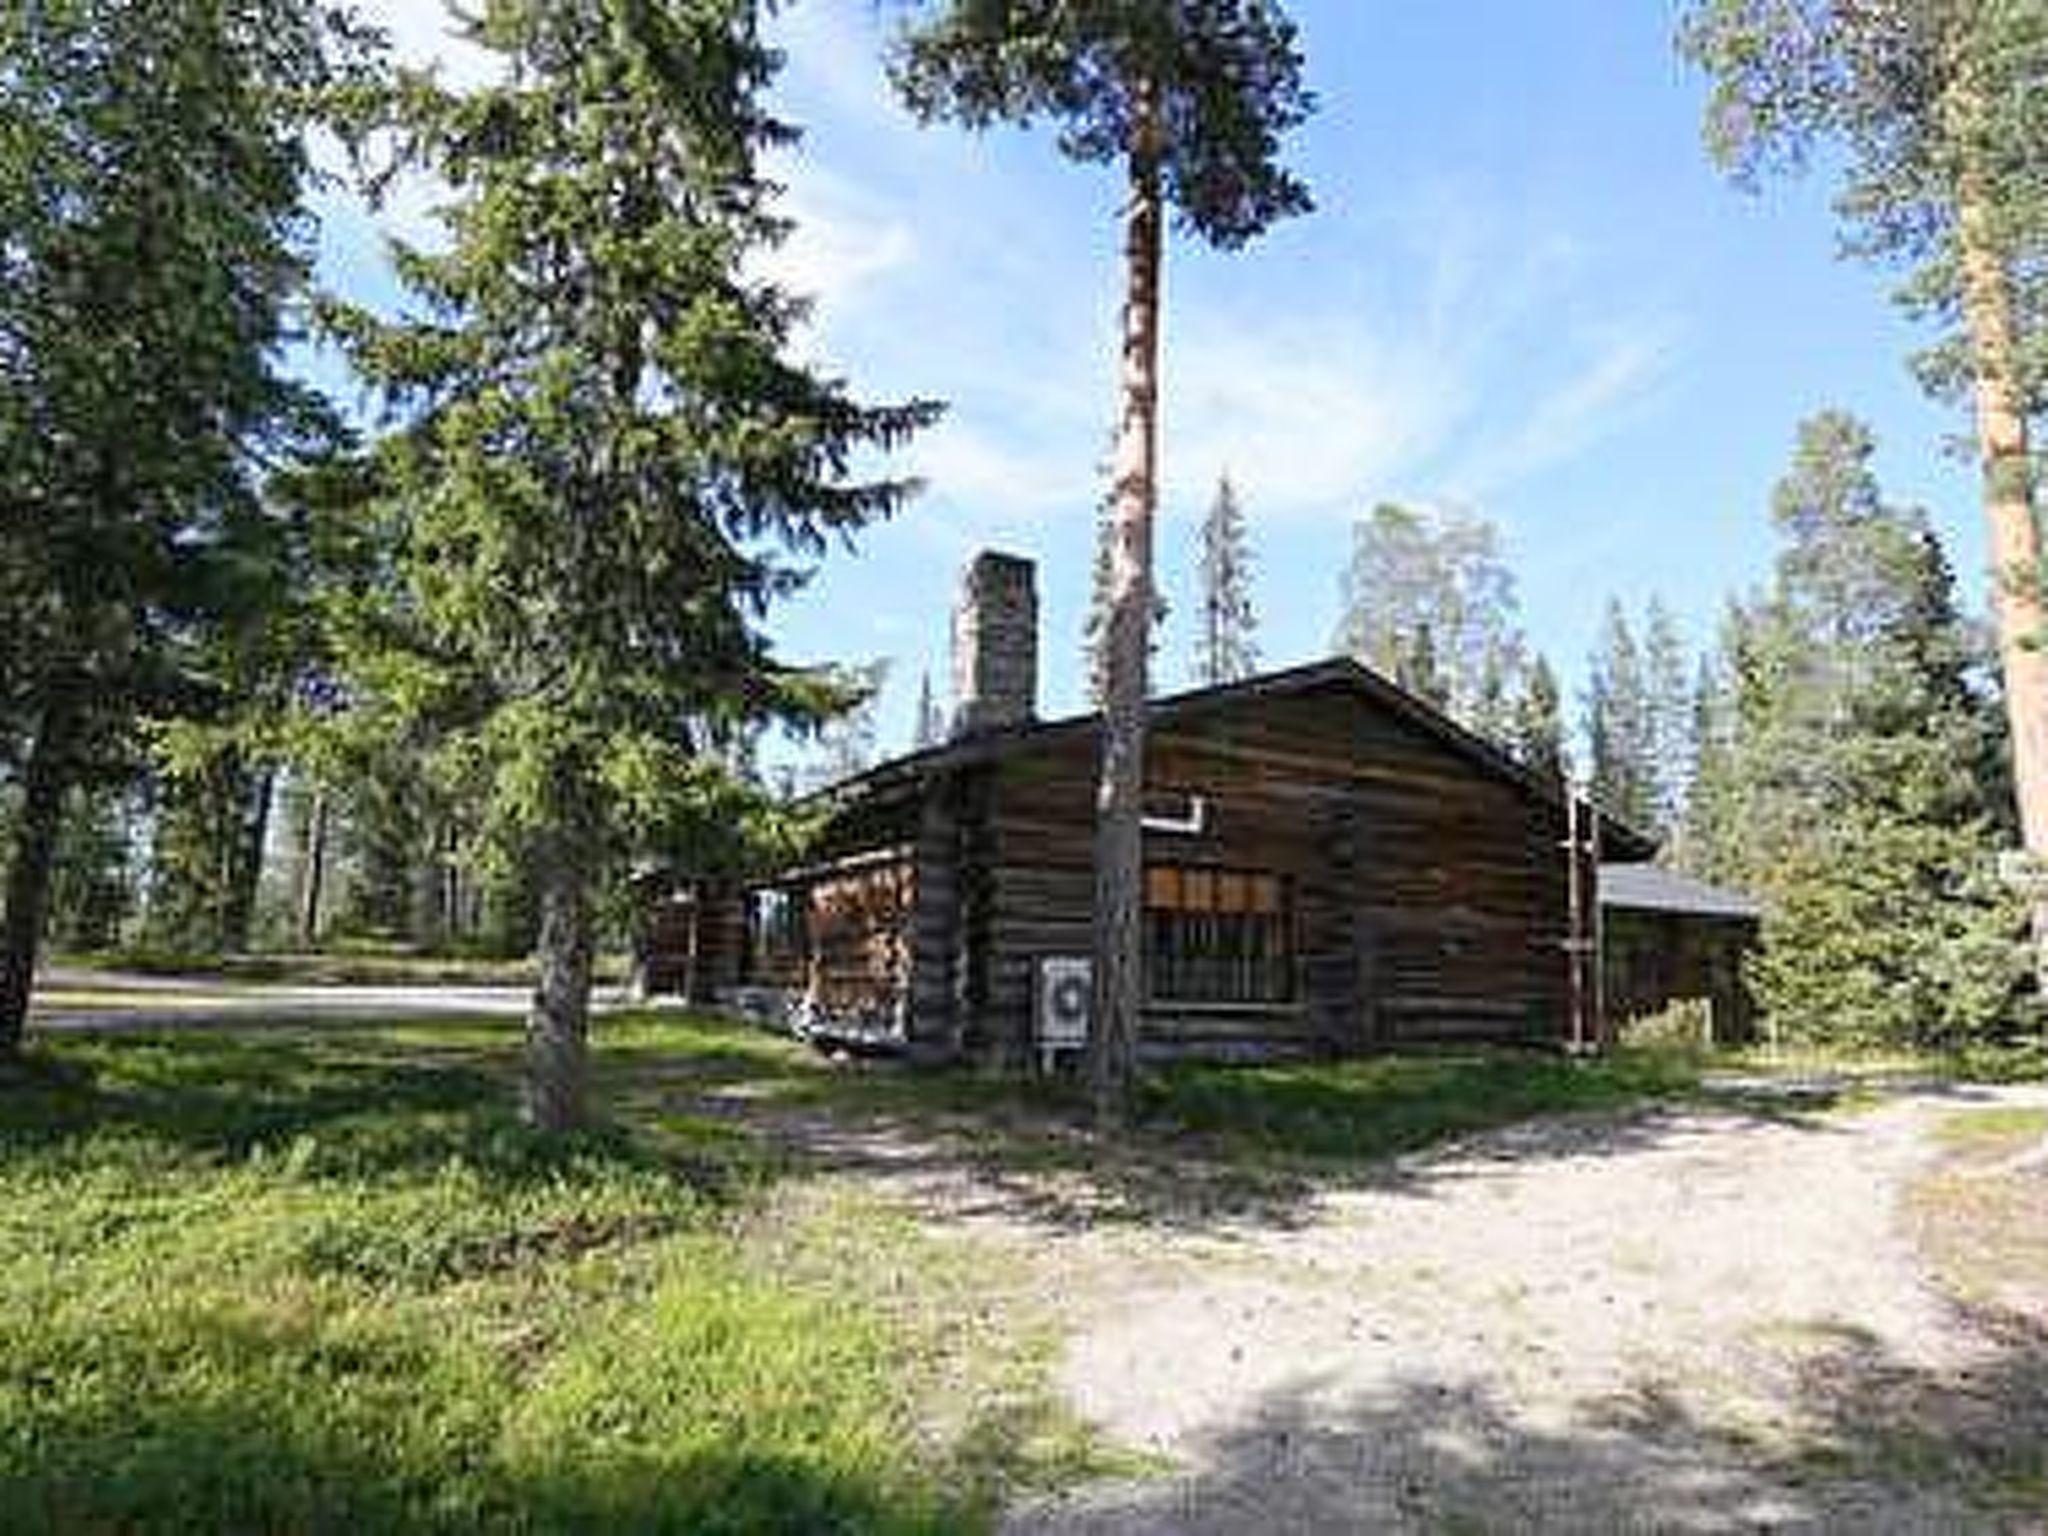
x,y
154,242
1940,111
1849,774
1225,650
607,454
1190,98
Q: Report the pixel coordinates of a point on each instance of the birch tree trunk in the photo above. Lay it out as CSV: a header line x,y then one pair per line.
x,y
1120,785
2004,453
28,875
557,1024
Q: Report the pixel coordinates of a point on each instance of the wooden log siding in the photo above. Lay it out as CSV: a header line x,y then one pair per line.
x,y
857,964
1429,895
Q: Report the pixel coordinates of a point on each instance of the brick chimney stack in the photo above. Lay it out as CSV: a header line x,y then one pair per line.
x,y
995,644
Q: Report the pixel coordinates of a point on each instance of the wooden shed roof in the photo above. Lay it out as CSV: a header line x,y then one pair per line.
x,y
1637,887
1338,674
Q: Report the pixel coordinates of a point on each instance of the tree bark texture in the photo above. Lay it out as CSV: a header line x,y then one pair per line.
x,y
557,1024
1120,785
2017,572
28,877
313,869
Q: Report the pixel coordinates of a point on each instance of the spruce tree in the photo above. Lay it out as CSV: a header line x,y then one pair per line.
x,y
1536,736
1620,724
1851,773
1190,98
1669,726
1225,650
605,451
153,173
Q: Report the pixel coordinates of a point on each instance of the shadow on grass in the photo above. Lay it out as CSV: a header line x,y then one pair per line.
x,y
343,1103
1869,1443
1211,1145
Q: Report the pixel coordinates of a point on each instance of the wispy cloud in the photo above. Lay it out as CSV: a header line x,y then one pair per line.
x,y
1617,376
843,239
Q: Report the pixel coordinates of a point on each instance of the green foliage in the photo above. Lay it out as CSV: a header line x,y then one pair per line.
x,y
312,1281
1843,776
93,892
1639,721
604,446
1427,601
1380,1106
1922,98
1228,74
606,467
153,171
1225,650
1536,723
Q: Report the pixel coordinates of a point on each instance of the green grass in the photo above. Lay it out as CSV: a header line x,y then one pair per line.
x,y
323,1281
320,1279
1379,1106
2000,1131
339,965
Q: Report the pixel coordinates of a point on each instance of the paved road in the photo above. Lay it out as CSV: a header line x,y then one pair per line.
x,y
102,1000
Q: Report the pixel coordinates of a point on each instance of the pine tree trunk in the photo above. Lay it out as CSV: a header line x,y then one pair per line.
x,y
2017,572
313,870
1119,805
557,1024
28,876
251,832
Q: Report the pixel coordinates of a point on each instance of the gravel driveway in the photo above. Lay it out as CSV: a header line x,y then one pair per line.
x,y
1691,1321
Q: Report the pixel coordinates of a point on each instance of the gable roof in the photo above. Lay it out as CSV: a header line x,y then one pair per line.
x,y
1337,674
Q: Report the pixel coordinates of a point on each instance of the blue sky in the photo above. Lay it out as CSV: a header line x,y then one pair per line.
x,y
1524,291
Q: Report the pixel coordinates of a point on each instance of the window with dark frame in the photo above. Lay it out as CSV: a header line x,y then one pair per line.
x,y
1217,936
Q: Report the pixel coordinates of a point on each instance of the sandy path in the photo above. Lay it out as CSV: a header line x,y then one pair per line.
x,y
1695,1321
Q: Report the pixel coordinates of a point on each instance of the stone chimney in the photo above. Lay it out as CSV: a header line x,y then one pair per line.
x,y
995,644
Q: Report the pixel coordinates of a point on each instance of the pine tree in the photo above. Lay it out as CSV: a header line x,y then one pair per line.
x,y
1190,98
1225,650
1944,126
604,451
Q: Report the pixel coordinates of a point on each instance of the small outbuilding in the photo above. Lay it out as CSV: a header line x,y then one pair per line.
x,y
1332,866
1668,937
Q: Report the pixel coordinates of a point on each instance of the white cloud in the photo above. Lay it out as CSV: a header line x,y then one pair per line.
x,y
1305,417
843,240
1625,368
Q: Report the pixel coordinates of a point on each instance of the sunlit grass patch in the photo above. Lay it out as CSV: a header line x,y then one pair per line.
x,y
1381,1105
318,1280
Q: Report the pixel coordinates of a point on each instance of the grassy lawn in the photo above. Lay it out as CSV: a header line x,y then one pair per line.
x,y
323,1281
356,965
320,1278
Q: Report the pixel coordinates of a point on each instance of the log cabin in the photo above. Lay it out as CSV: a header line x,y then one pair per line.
x,y
1332,866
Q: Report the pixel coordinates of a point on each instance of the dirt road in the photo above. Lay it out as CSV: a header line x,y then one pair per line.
x,y
1694,1321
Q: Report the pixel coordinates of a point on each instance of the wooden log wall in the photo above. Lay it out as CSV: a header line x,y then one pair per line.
x,y
1428,896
